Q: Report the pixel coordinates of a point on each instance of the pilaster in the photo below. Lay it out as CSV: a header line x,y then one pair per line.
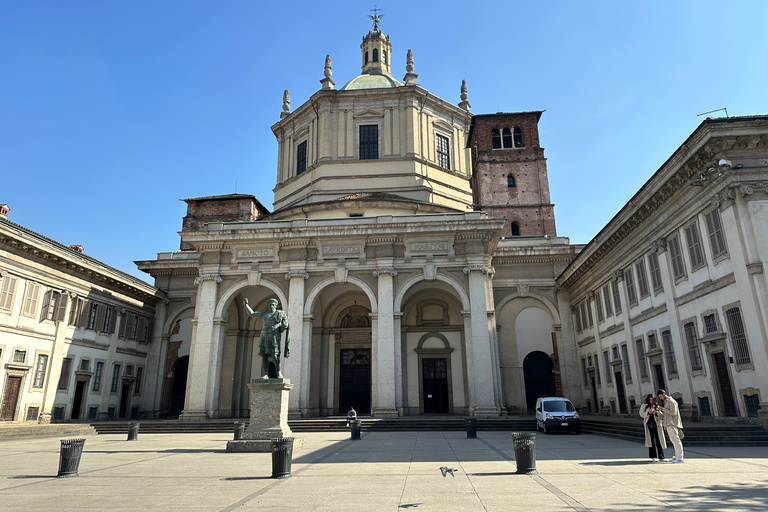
x,y
384,404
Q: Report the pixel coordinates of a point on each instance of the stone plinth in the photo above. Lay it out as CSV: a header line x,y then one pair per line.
x,y
269,417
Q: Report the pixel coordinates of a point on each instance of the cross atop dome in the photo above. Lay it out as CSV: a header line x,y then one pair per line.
x,y
375,18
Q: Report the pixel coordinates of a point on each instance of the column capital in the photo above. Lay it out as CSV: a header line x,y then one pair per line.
x,y
295,273
485,270
379,271
208,277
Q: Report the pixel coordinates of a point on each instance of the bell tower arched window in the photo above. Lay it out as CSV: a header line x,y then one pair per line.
x,y
515,229
366,57
507,138
510,181
375,55
518,137
496,138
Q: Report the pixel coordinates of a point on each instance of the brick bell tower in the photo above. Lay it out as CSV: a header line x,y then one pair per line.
x,y
509,173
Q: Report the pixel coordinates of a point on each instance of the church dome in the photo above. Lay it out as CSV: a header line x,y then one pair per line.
x,y
372,81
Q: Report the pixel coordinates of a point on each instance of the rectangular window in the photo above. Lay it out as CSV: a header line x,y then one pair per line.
x,y
694,246
115,378
301,158
92,313
50,300
137,387
653,263
607,300
133,327
738,336
29,307
693,346
40,369
629,282
107,319
66,369
33,413
6,292
615,352
704,407
599,305
369,142
616,297
607,361
627,366
19,356
641,359
651,341
443,150
642,279
97,376
666,338
75,312
753,405
715,233
678,267
85,365
710,324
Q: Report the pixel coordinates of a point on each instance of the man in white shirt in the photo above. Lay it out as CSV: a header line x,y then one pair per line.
x,y
672,424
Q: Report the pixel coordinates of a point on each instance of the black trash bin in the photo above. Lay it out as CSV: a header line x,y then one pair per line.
x,y
69,457
239,430
355,426
282,453
525,452
471,424
133,431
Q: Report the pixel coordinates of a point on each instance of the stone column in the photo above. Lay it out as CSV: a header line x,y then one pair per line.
x,y
202,380
296,366
480,338
152,392
384,404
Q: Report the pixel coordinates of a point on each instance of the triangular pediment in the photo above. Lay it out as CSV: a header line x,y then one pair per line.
x,y
368,114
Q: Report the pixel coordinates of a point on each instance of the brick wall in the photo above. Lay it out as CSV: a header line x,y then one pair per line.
x,y
229,208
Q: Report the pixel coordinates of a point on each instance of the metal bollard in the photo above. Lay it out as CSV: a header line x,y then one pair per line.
x,y
133,431
69,457
355,426
525,452
471,424
239,430
282,453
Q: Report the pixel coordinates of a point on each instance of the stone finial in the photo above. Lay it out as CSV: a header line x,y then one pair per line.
x,y
410,76
286,104
464,96
327,82
4,209
327,72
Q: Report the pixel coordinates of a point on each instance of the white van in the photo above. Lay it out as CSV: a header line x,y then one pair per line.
x,y
556,413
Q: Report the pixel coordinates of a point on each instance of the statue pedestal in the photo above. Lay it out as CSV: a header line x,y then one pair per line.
x,y
269,417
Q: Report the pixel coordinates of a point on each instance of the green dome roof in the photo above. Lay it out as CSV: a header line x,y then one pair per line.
x,y
371,82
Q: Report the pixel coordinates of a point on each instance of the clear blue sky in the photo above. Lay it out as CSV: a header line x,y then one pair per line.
x,y
110,112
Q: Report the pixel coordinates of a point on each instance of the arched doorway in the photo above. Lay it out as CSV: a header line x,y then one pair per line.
x,y
179,386
539,379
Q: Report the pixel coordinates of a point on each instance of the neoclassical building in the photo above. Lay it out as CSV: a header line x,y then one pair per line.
x,y
673,292
405,294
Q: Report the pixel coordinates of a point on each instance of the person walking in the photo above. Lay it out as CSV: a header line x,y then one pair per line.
x,y
672,423
652,417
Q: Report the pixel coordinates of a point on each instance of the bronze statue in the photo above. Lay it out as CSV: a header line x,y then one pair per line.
x,y
275,322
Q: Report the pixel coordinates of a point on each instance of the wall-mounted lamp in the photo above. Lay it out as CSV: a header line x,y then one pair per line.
x,y
712,171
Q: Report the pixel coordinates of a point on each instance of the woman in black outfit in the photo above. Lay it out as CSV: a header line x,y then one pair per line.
x,y
654,433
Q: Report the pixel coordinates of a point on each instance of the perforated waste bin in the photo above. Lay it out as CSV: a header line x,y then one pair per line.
x,y
69,457
282,454
525,452
471,424
239,430
133,431
355,427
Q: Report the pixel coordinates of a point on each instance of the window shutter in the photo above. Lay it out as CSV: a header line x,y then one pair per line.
x,y
123,323
46,302
100,314
7,291
84,311
140,330
112,321
61,307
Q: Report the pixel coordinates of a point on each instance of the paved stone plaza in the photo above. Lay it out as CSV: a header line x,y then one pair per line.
x,y
384,471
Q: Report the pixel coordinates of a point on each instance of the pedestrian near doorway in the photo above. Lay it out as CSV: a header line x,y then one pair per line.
x,y
351,415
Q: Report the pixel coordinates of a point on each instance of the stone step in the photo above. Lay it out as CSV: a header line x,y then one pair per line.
x,y
52,430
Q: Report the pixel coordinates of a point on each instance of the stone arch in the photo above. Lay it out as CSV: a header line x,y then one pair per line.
x,y
309,303
539,379
174,316
431,335
414,280
550,306
226,298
